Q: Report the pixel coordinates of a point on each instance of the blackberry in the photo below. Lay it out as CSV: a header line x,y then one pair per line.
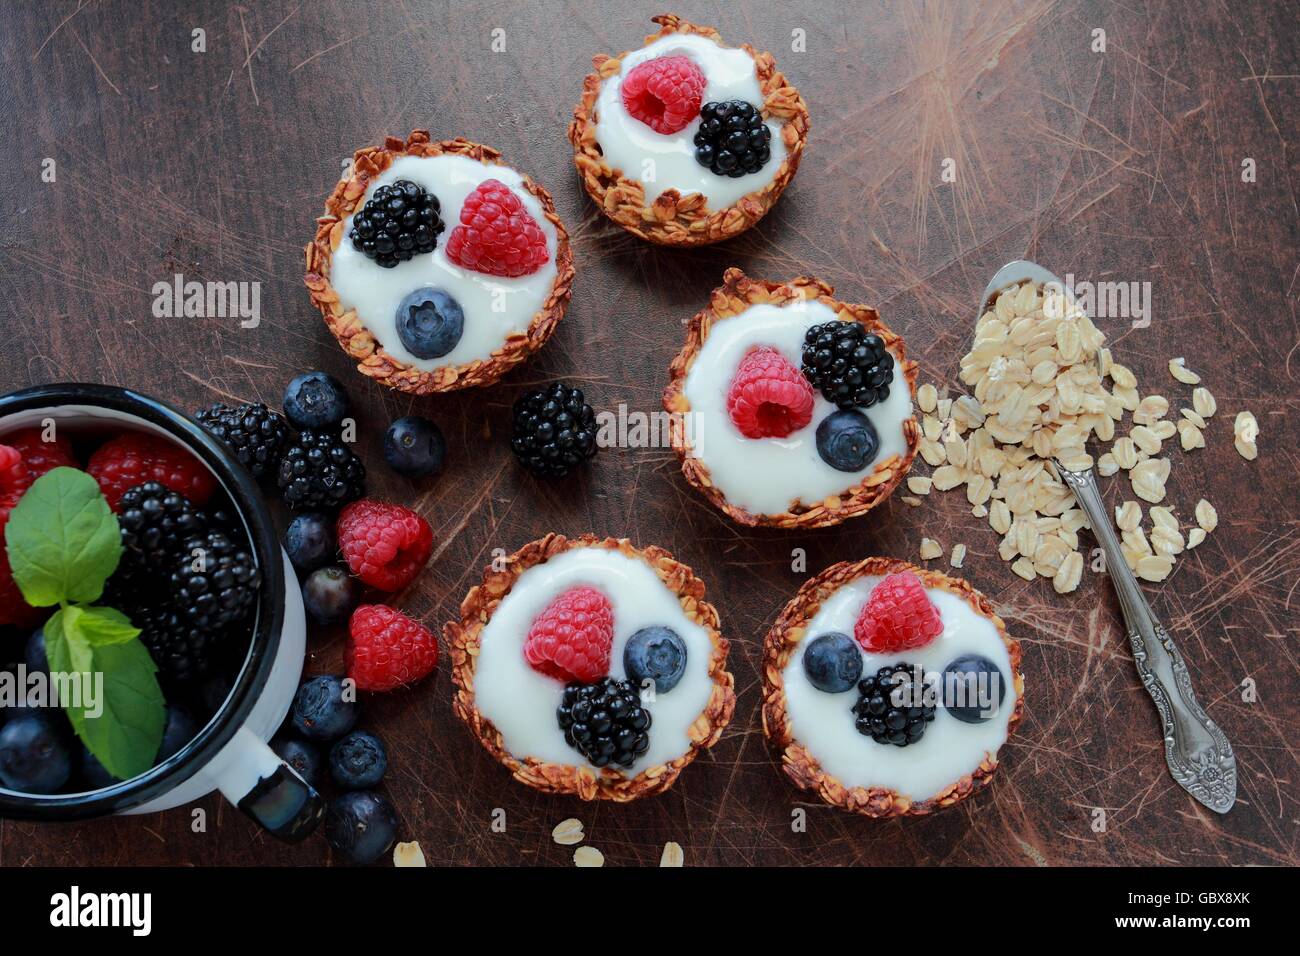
x,y
733,139
155,523
400,221
894,705
252,431
605,722
848,364
181,649
554,430
214,583
319,472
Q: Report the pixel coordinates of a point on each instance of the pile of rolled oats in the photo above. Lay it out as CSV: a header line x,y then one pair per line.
x,y
1038,371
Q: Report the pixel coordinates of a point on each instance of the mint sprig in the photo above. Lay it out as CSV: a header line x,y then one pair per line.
x,y
63,543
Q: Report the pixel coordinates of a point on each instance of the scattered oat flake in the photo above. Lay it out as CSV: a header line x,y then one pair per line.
x,y
1245,430
927,396
919,485
930,549
1069,574
1154,567
588,856
568,832
1179,370
408,854
1128,516
913,502
1024,567
1204,402
672,855
1206,516
958,555
1190,437
1195,537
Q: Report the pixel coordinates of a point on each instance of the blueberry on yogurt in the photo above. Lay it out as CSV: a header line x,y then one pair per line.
x,y
847,441
655,654
833,662
429,323
969,685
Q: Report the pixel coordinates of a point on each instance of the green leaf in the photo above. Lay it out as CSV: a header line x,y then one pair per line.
x,y
105,625
65,648
127,734
120,713
63,539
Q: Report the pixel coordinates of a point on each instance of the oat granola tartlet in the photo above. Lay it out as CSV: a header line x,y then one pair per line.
x,y
591,667
790,408
436,266
840,664
687,141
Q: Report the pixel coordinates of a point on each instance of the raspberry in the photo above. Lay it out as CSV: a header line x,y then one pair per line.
x,y
664,93
387,649
39,455
898,616
23,458
497,235
769,398
385,545
135,458
571,639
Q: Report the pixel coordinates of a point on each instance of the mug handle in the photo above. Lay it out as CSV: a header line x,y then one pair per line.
x,y
267,789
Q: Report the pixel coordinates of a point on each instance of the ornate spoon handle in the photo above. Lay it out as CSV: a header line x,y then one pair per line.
x,y
1196,749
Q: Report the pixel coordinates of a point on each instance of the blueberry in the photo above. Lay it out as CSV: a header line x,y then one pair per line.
x,y
93,773
34,754
657,654
302,755
319,710
361,826
358,761
833,662
35,656
330,595
179,730
310,541
968,686
429,323
414,447
847,440
315,400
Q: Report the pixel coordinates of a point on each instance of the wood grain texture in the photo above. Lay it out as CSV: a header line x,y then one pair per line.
x,y
1117,166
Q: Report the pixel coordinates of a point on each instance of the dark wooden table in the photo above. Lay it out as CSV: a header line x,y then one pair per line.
x,y
1124,166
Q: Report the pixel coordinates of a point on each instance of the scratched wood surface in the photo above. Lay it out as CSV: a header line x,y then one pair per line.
x,y
1119,166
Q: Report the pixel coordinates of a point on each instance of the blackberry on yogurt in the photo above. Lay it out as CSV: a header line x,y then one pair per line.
x,y
732,139
401,220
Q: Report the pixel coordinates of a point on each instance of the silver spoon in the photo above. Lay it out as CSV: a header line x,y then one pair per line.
x,y
1197,751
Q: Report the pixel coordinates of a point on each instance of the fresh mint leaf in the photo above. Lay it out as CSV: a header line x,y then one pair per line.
x,y
63,539
65,648
120,713
126,736
105,625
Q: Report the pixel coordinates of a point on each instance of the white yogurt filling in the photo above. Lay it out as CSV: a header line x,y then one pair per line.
x,y
768,475
667,161
521,702
494,306
824,723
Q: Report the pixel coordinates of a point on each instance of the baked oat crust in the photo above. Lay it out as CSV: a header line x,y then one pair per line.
x,y
736,294
357,341
463,639
674,219
798,763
